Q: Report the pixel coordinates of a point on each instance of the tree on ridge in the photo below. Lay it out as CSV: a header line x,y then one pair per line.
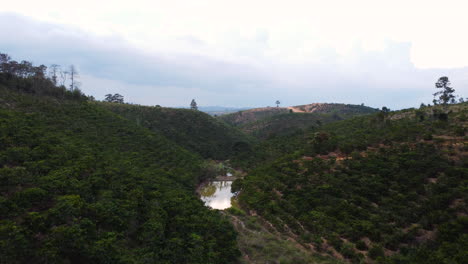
x,y
193,105
73,75
446,95
114,98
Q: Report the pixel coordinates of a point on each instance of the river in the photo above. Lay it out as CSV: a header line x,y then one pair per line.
x,y
217,194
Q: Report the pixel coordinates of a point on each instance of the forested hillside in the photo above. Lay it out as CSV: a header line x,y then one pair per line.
x,y
287,124
386,188
194,130
83,181
80,184
276,121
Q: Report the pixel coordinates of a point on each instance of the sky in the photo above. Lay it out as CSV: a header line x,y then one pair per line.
x,y
247,53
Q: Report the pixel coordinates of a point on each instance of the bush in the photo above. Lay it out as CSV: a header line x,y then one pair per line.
x,y
376,251
427,136
361,245
235,211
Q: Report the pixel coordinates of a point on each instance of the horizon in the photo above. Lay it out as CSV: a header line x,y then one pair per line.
x,y
166,53
272,105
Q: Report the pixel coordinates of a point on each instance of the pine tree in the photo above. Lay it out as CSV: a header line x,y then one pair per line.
x,y
193,105
445,96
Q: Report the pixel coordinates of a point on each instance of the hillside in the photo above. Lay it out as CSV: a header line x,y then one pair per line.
x,y
287,124
272,121
251,115
93,182
385,188
194,130
80,184
219,110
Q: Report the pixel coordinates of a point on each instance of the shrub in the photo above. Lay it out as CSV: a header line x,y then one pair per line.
x,y
361,245
376,251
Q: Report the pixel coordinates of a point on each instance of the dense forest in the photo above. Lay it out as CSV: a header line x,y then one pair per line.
x,y
209,137
389,187
270,122
80,184
84,181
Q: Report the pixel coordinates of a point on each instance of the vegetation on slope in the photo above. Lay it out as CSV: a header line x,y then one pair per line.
x,y
389,188
252,115
287,124
194,130
277,121
261,243
87,182
282,133
80,184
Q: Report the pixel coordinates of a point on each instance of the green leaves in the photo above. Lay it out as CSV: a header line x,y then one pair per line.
x,y
383,184
80,184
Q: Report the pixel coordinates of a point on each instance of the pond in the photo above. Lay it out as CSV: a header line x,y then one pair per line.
x,y
217,194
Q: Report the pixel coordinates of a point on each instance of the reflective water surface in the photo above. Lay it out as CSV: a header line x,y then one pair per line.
x,y
217,194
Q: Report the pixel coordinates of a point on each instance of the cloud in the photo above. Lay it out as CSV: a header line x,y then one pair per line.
x,y
249,75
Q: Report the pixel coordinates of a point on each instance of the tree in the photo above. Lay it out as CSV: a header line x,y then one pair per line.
x,y
40,71
319,142
193,105
383,113
73,75
385,109
277,103
54,70
4,60
114,98
63,77
445,96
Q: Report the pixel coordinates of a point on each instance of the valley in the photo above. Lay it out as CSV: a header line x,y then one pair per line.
x,y
216,192
86,181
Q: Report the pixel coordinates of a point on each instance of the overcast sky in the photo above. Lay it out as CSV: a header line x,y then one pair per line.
x,y
247,52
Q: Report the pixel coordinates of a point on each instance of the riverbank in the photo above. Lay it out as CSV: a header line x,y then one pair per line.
x,y
215,192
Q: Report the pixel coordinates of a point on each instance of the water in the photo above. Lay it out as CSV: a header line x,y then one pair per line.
x,y
217,194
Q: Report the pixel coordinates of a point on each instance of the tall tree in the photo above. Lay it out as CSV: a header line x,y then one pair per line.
x,y
25,69
193,105
385,109
383,113
40,71
114,98
73,76
277,103
54,70
4,60
446,95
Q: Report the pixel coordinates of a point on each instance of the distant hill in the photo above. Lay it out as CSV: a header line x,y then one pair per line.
x,y
218,110
194,130
268,121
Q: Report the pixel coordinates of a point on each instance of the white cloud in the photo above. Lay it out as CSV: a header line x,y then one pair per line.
x,y
248,53
294,28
